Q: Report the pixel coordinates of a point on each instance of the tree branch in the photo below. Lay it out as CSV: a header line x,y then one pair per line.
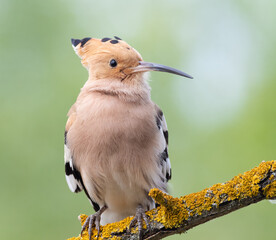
x,y
177,215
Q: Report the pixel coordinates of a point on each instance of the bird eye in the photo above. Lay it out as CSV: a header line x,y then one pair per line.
x,y
113,63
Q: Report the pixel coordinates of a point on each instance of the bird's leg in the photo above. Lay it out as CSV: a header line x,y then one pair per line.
x,y
138,218
93,219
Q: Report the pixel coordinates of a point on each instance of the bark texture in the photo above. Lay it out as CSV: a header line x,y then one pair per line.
x,y
177,215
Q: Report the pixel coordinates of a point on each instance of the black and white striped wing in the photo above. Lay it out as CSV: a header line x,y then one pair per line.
x,y
165,163
72,175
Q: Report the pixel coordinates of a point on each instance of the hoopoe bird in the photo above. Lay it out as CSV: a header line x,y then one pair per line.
x,y
116,138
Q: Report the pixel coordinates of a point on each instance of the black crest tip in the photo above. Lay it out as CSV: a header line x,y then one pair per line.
x,y
75,42
114,41
105,39
84,40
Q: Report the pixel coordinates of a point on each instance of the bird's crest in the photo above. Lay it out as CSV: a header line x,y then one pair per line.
x,y
90,46
114,58
106,52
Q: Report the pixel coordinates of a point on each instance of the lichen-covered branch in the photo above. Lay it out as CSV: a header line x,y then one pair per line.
x,y
177,215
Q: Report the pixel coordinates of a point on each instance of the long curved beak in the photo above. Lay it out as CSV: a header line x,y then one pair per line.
x,y
148,66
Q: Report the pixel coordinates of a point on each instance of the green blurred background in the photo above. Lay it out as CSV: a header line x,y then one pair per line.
x,y
221,123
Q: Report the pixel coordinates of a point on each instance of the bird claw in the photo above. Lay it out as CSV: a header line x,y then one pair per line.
x,y
138,218
93,219
90,221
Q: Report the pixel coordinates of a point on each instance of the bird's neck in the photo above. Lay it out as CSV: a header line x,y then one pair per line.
x,y
137,93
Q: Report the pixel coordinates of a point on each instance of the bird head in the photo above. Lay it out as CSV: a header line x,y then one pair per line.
x,y
114,59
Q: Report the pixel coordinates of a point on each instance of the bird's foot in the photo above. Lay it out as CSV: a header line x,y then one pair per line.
x,y
138,218
93,219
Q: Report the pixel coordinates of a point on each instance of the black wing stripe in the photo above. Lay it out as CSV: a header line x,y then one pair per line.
x,y
166,135
68,169
158,122
65,137
169,175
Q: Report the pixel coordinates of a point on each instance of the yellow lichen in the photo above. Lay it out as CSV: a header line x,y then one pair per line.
x,y
173,212
270,189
